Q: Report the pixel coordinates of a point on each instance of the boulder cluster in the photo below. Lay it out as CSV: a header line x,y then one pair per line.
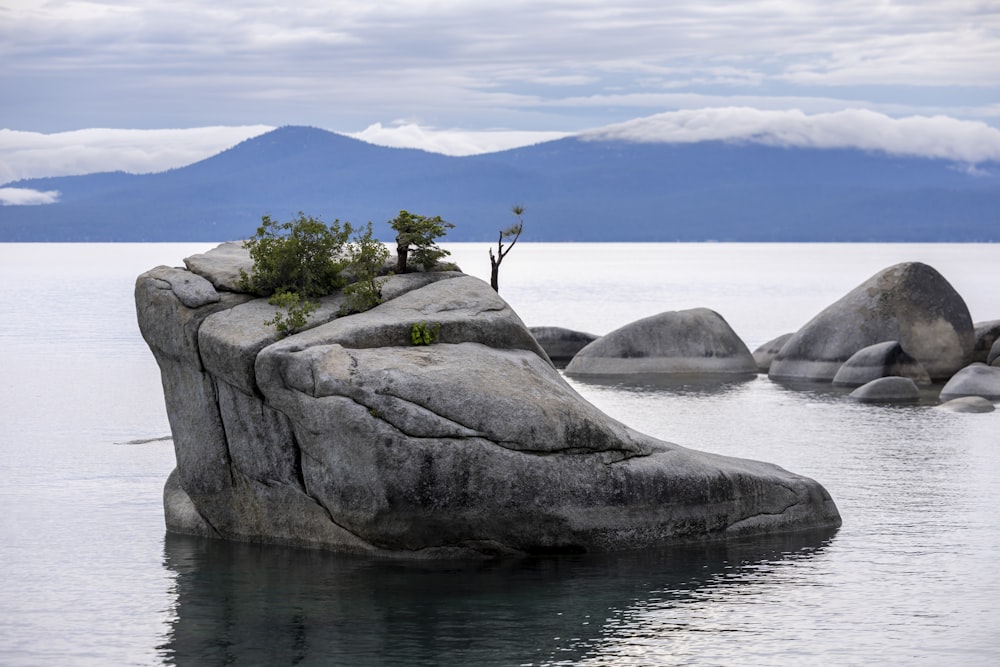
x,y
347,436
895,337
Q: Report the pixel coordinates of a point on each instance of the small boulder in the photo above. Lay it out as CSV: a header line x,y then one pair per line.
x,y
880,360
764,355
968,404
561,344
888,390
911,303
974,380
993,359
696,341
987,334
222,265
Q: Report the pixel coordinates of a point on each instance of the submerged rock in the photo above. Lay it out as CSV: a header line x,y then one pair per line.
x,y
347,437
974,380
696,341
561,344
968,404
880,360
764,355
888,390
910,303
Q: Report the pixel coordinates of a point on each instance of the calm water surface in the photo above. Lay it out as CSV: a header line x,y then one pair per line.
x,y
90,578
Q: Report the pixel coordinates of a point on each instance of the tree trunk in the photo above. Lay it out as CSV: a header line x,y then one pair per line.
x,y
402,250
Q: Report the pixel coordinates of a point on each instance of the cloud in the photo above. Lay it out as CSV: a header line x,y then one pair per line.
x,y
27,197
451,142
28,155
969,142
519,64
33,154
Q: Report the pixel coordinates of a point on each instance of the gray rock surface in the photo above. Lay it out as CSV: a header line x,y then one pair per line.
x,y
968,404
765,354
696,341
973,380
880,360
993,358
887,390
346,437
910,303
987,334
561,344
222,265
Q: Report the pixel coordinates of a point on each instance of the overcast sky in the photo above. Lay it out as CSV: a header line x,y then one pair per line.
x,y
463,76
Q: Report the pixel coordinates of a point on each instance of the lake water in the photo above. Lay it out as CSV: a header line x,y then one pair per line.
x,y
89,576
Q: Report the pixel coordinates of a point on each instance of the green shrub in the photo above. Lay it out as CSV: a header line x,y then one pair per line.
x,y
302,256
294,262
366,257
421,334
297,312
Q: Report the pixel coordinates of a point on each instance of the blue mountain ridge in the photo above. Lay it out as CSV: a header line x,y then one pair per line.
x,y
573,189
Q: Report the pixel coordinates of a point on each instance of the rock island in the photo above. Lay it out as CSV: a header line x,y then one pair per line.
x,y
345,436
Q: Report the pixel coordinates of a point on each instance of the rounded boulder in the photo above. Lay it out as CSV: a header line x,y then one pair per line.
x,y
561,344
696,341
886,359
968,404
987,334
910,303
888,390
764,355
974,380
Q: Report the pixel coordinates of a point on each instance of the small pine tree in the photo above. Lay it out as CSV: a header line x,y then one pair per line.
x,y
418,234
511,234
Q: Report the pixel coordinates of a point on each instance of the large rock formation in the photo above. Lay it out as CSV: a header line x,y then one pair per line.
x,y
910,303
347,437
697,341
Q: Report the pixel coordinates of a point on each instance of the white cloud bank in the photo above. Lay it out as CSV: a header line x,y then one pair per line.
x,y
33,155
27,197
451,142
967,142
36,155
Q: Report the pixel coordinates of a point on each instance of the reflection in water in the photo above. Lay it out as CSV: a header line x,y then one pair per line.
x,y
255,604
700,384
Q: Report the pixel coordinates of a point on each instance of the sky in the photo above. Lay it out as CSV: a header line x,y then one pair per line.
x,y
145,85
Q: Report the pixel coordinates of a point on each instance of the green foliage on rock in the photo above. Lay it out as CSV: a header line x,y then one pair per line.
x,y
366,257
418,234
296,312
293,263
422,334
302,256
300,260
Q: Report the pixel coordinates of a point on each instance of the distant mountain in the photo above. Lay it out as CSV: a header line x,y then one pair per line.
x,y
573,190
